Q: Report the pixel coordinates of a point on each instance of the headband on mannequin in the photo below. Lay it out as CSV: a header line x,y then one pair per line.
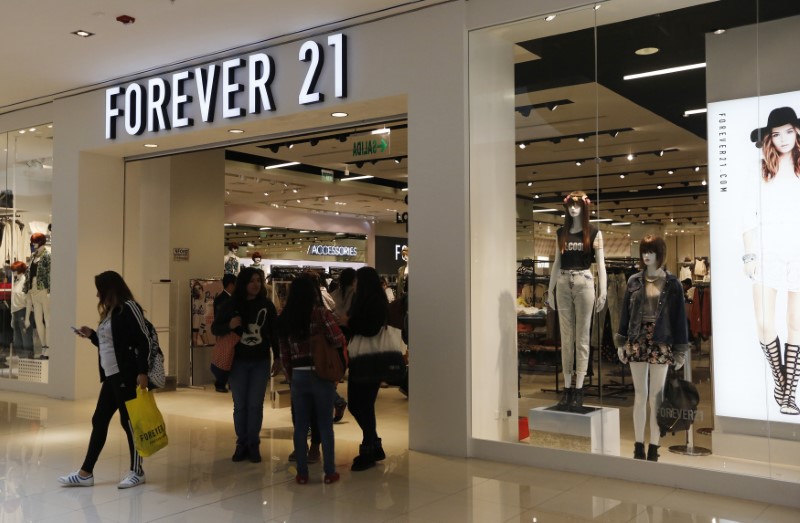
x,y
575,198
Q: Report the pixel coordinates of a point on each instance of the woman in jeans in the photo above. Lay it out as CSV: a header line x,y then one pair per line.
x,y
252,315
369,313
123,349
311,396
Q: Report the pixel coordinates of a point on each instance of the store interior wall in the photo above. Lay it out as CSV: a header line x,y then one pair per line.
x,y
493,238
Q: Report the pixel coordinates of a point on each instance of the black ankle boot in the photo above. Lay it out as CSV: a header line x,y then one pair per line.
x,y
566,400
638,451
377,451
576,405
652,452
365,459
240,454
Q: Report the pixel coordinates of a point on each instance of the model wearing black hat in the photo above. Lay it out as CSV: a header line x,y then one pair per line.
x,y
780,168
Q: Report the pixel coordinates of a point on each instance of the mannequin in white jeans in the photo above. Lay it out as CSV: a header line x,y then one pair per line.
x,y
37,287
571,280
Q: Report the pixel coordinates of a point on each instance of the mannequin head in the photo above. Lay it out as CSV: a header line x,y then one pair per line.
x,y
576,205
652,252
404,253
256,257
38,239
19,267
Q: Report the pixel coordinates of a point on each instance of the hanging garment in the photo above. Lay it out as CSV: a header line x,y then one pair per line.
x,y
699,267
685,273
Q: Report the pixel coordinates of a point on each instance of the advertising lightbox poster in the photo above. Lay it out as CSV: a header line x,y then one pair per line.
x,y
754,198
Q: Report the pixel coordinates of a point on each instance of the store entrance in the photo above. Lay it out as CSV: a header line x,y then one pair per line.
x,y
322,201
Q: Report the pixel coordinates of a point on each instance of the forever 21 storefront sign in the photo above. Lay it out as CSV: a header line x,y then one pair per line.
x,y
163,104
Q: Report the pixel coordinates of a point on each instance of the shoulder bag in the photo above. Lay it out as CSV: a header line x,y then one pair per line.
x,y
328,364
223,351
379,357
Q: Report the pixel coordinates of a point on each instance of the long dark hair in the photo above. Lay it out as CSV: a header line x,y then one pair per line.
x,y
112,292
239,295
346,279
369,294
296,316
582,199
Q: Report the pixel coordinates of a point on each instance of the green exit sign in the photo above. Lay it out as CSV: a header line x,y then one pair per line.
x,y
368,145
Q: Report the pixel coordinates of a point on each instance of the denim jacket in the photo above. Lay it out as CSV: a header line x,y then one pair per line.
x,y
671,327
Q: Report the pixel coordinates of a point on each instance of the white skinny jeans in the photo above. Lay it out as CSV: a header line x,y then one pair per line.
x,y
40,299
575,301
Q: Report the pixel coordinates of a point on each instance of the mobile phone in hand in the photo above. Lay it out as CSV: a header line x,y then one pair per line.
x,y
77,331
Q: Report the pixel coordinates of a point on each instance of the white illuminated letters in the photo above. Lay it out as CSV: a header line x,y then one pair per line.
x,y
230,88
180,98
157,99
163,103
261,70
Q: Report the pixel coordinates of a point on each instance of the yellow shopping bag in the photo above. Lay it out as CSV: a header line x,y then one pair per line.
x,y
149,431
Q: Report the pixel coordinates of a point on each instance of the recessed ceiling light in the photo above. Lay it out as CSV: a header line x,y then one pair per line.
x,y
581,139
598,6
266,194
704,182
50,126
235,131
719,31
659,186
522,145
339,114
622,176
645,51
549,18
697,169
630,157
670,172
22,131
82,33
32,129
150,145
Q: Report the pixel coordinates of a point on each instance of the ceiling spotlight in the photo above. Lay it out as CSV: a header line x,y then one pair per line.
x,y
704,183
660,153
613,134
697,169
397,160
549,18
325,198
536,196
339,114
659,186
294,191
622,176
359,164
552,106
645,51
313,142
291,145
298,201
670,172
522,145
630,156
274,147
82,33
235,131
342,138
719,31
581,139
266,194
555,140
531,183
578,163
650,173
524,111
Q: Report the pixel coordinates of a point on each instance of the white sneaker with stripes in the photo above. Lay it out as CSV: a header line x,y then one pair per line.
x,y
131,479
76,480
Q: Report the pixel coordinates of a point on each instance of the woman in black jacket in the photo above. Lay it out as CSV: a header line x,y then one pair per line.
x,y
123,349
368,314
252,315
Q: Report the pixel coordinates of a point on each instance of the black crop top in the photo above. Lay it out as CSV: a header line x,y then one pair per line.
x,y
574,258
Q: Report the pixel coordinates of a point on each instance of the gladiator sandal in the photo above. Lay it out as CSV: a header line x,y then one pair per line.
x,y
788,406
773,353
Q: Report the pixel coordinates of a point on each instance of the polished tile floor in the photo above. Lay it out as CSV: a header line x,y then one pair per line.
x,y
193,479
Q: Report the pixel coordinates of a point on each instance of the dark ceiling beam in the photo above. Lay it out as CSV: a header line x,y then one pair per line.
x,y
608,158
650,172
647,194
613,133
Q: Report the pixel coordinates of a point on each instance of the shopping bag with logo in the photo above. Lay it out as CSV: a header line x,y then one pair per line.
x,y
149,431
223,351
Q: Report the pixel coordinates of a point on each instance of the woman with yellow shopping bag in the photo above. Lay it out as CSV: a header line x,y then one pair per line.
x,y
123,348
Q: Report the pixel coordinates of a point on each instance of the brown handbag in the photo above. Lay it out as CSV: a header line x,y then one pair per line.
x,y
328,364
224,348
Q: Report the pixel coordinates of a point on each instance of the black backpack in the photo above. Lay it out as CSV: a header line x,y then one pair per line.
x,y
679,408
